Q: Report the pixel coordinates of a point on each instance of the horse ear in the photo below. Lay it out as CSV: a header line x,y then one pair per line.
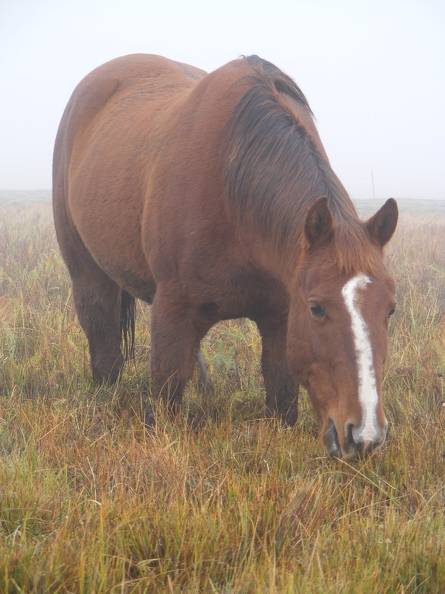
x,y
383,224
318,226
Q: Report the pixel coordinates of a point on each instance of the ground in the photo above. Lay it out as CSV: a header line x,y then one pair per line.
x,y
219,500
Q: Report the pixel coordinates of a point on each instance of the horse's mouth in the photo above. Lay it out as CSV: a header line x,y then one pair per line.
x,y
350,449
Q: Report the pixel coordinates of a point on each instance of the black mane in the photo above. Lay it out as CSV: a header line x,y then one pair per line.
x,y
274,171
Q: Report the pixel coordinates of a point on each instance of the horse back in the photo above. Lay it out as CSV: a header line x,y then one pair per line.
x,y
107,137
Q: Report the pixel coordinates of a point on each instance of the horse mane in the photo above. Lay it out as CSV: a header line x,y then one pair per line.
x,y
274,171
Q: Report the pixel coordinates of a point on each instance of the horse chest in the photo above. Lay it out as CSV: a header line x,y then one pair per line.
x,y
244,293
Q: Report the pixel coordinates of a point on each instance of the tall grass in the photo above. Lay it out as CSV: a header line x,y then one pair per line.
x,y
219,500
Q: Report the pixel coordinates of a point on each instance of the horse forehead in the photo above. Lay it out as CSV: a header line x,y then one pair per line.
x,y
363,289
364,298
357,282
361,294
335,286
366,289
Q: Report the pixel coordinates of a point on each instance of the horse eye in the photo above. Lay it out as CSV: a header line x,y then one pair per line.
x,y
318,311
391,311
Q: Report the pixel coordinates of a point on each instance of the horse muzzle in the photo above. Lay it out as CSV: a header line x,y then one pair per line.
x,y
355,446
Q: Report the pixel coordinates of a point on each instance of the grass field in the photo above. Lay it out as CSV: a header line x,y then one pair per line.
x,y
218,501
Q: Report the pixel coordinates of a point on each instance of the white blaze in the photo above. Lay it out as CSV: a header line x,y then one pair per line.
x,y
367,390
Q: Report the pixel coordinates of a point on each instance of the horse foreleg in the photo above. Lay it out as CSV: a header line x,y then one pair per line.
x,y
175,344
98,304
281,390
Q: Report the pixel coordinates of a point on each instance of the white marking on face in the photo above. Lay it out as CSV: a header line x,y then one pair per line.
x,y
367,389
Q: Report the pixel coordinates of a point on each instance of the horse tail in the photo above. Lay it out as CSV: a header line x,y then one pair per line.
x,y
128,316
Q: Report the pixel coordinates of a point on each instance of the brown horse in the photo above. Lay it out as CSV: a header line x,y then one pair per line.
x,y
211,197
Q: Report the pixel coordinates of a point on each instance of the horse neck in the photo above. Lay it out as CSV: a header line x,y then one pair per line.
x,y
279,248
279,261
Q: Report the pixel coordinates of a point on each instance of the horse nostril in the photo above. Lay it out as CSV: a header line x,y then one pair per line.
x,y
331,440
359,443
355,443
349,437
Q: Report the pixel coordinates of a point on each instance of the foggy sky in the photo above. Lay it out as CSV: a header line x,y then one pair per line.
x,y
373,72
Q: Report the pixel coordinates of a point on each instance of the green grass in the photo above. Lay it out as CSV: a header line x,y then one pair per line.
x,y
219,501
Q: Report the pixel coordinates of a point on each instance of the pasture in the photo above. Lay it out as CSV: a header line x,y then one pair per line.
x,y
220,500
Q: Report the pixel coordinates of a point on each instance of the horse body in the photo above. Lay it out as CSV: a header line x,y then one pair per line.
x,y
107,144
161,192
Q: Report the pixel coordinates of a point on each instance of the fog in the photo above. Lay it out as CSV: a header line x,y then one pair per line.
x,y
373,72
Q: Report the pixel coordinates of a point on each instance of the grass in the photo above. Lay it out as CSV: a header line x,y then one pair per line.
x,y
218,501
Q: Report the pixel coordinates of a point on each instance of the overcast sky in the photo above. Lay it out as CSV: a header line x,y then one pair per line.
x,y
373,71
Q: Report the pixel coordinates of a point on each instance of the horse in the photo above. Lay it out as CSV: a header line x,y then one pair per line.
x,y
211,197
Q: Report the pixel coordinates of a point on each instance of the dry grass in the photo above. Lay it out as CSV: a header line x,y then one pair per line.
x,y
92,503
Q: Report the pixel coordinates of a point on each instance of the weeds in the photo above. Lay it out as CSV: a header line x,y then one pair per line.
x,y
90,502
